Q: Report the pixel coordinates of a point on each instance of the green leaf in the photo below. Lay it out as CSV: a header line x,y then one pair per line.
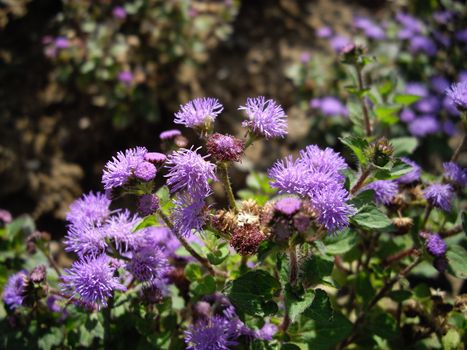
x,y
250,291
341,243
218,257
289,346
464,221
457,261
297,303
406,99
205,286
451,340
400,295
325,327
362,198
193,272
52,338
315,268
404,145
357,145
148,221
387,114
370,217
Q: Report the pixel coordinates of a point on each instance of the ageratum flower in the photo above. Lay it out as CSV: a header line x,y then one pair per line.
x,y
155,157
119,230
435,245
288,206
188,214
89,210
148,264
5,216
225,148
119,12
198,112
85,240
411,176
424,125
148,204
287,175
15,289
145,171
332,210
439,196
120,169
324,161
455,173
190,171
266,332
385,190
266,117
158,236
91,280
458,94
169,134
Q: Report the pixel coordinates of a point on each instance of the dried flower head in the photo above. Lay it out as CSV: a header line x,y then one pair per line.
x,y
225,148
148,204
246,239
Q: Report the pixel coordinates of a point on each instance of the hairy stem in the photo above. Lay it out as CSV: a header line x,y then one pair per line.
x,y
203,261
426,215
361,180
50,259
227,185
361,87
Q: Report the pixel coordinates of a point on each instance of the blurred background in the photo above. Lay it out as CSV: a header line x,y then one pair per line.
x,y
81,80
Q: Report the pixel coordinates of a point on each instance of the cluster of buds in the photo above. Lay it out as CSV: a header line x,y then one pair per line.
x,y
380,152
35,287
353,54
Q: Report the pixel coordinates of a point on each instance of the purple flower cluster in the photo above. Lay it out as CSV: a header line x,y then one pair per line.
x,y
439,196
288,205
317,175
198,112
455,174
385,190
411,176
329,106
369,28
265,117
15,288
458,95
435,245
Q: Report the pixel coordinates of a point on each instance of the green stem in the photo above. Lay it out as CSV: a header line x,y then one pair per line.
x,y
251,138
426,215
366,118
51,261
227,185
360,181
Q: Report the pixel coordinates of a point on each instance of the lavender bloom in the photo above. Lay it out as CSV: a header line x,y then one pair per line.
x,y
198,112
413,175
92,280
157,237
125,77
339,42
439,196
324,161
85,240
410,23
455,173
439,83
371,30
169,134
385,190
288,206
424,125
449,128
422,44
52,304
329,106
450,107
435,245
428,105
155,157
324,32
62,43
89,210
458,94
288,176
191,171
145,171
148,264
119,12
266,117
148,204
120,169
332,210
442,38
216,333
305,57
407,115
188,214
267,332
416,89
461,36
119,230
5,216
15,288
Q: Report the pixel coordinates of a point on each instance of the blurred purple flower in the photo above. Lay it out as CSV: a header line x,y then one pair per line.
x,y
330,106
417,89
155,157
407,115
422,44
461,36
385,190
5,216
424,125
61,43
305,57
439,83
458,94
288,205
443,17
338,42
439,196
324,32
169,134
428,105
450,128
455,173
15,289
119,12
125,77
413,175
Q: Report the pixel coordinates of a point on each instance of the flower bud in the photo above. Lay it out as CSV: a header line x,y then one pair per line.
x,y
246,239
148,204
38,274
380,152
225,148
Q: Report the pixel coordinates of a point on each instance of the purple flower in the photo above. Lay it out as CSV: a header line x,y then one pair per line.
x,y
288,176
455,173
422,44
435,245
266,332
450,107
191,171
266,117
324,161
413,175
329,106
462,76
416,89
188,214
385,190
155,157
125,77
119,230
158,237
370,29
324,32
449,128
428,105
439,83
338,42
198,112
458,94
439,196
225,148
15,289
89,210
52,304
148,204
85,240
305,57
424,125
92,280
443,17
145,171
148,264
119,12
461,36
169,134
332,210
407,115
61,43
288,205
409,22
120,169
5,216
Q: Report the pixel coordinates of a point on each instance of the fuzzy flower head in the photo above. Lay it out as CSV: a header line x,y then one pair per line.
x,y
92,280
455,173
435,245
169,134
439,196
385,190
15,289
411,176
225,148
323,160
155,157
190,171
424,125
89,210
332,210
5,216
458,94
288,176
288,205
119,170
148,264
85,241
265,117
145,171
119,230
189,213
148,204
198,112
